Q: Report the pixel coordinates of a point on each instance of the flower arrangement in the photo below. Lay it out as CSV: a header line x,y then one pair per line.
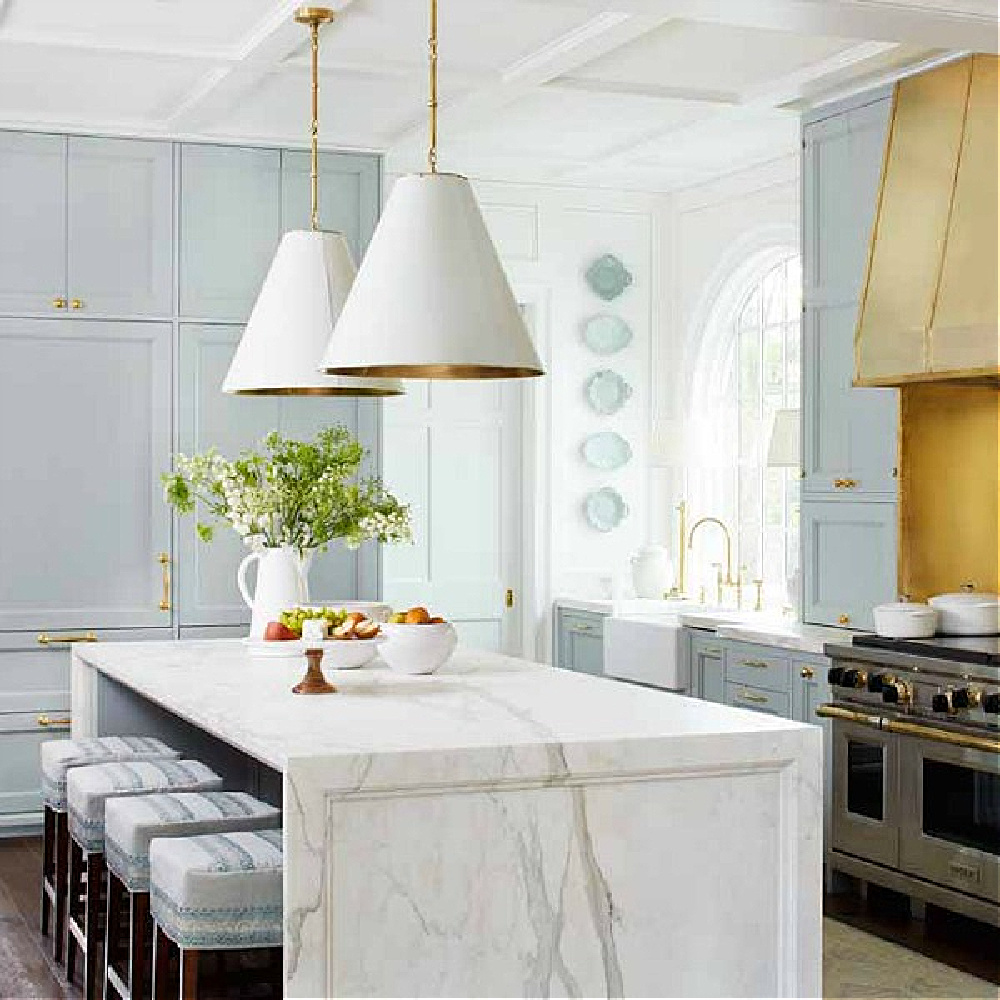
x,y
304,494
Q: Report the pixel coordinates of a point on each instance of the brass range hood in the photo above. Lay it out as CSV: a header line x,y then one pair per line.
x,y
929,301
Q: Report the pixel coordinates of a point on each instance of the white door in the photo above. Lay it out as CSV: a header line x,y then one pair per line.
x,y
452,450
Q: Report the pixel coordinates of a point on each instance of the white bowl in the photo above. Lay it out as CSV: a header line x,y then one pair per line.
x,y
347,654
418,649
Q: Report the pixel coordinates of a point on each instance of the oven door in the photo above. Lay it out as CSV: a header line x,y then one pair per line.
x,y
865,800
950,824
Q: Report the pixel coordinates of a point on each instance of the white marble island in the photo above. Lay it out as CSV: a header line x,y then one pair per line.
x,y
506,829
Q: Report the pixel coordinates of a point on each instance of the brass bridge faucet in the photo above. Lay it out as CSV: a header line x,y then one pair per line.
x,y
728,581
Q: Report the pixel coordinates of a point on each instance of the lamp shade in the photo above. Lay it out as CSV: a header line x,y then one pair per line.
x,y
431,299
784,448
292,320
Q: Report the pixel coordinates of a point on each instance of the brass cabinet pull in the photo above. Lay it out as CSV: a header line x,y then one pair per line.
x,y
45,720
712,651
45,639
756,699
164,560
586,629
76,303
807,673
845,484
758,664
58,302
508,598
843,619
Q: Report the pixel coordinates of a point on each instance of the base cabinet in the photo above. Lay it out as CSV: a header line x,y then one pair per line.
x,y
707,676
579,637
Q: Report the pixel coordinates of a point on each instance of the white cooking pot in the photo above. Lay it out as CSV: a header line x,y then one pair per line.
x,y
967,613
905,620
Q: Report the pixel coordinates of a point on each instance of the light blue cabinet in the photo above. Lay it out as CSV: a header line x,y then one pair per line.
x,y
208,418
120,226
848,435
348,195
707,671
230,222
849,561
579,637
32,223
85,432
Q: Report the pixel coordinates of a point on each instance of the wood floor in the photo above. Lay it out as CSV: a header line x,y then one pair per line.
x,y
27,970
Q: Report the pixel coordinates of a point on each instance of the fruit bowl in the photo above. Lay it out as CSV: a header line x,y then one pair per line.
x,y
417,649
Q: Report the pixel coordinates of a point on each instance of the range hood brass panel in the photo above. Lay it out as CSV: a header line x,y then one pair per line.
x,y
949,509
964,327
929,305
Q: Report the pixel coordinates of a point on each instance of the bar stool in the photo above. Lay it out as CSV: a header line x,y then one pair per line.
x,y
130,823
214,895
57,757
87,790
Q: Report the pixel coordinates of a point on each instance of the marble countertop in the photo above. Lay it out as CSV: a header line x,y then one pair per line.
x,y
767,629
478,700
630,606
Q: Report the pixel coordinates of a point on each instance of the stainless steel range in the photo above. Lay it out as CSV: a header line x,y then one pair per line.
x,y
916,768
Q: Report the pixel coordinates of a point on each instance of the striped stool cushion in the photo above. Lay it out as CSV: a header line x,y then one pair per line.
x,y
88,788
57,756
132,821
220,890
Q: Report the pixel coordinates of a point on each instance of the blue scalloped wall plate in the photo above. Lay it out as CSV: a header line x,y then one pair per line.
x,y
608,277
605,509
606,334
606,450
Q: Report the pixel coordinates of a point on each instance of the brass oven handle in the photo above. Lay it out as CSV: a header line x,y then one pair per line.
x,y
45,720
965,740
45,639
902,728
756,699
164,560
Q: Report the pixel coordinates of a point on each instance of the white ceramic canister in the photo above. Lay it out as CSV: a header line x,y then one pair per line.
x,y
905,620
652,572
967,613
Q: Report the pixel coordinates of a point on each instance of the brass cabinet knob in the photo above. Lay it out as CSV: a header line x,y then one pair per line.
x,y
843,619
76,303
59,303
807,673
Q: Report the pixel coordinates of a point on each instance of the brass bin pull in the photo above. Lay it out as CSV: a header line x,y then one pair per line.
x,y
44,639
45,720
585,629
845,484
164,560
758,664
756,699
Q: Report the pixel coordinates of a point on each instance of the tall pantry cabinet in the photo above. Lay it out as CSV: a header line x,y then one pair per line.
x,y
848,525
127,268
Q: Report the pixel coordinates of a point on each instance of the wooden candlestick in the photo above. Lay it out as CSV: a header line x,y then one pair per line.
x,y
314,682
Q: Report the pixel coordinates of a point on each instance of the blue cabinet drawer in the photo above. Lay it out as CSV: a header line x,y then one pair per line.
x,y
757,699
757,666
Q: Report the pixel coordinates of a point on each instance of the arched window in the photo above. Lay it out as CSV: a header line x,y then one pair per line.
x,y
749,367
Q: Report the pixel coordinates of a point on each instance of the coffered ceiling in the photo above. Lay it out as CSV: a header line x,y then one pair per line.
x,y
644,94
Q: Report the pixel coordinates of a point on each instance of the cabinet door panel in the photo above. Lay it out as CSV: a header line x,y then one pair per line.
x,y
85,433
32,222
209,418
121,226
849,551
348,195
848,433
230,220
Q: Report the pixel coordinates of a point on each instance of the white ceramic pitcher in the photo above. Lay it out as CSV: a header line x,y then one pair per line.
x,y
282,584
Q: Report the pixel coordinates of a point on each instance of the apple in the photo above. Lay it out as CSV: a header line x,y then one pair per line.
x,y
279,631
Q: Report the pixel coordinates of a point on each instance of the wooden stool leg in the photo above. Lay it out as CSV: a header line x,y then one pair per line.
x,y
113,950
48,865
162,946
74,883
61,864
94,952
138,970
189,974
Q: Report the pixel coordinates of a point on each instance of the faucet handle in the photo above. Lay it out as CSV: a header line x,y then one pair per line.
x,y
759,602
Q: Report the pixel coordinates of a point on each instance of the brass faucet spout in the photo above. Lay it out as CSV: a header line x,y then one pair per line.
x,y
729,581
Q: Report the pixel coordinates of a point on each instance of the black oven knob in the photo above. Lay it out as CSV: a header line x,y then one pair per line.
x,y
835,676
876,682
991,703
854,678
964,698
941,703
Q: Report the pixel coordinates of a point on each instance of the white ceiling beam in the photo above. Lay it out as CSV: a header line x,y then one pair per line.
x,y
695,95
272,40
972,26
598,35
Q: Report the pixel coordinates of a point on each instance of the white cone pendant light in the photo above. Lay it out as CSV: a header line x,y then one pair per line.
x,y
301,298
431,299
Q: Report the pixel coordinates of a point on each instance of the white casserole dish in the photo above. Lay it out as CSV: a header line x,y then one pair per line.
x,y
905,620
967,613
